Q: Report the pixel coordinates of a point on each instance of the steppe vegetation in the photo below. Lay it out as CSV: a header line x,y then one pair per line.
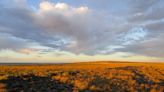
x,y
83,77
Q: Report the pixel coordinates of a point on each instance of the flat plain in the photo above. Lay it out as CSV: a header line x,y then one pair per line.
x,y
83,77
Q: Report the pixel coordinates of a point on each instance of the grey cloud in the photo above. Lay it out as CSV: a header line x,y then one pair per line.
x,y
127,7
86,29
13,43
89,33
153,47
19,22
157,27
139,6
151,13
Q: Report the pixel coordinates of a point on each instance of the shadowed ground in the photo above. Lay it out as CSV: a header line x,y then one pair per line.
x,y
32,83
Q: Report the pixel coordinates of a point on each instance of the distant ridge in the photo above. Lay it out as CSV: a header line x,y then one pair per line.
x,y
88,62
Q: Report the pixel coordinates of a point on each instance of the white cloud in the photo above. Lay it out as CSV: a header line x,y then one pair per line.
x,y
62,8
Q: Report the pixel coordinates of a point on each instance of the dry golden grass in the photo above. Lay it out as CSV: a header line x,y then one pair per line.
x,y
82,77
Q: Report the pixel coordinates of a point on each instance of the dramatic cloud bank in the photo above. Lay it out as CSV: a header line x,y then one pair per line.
x,y
93,27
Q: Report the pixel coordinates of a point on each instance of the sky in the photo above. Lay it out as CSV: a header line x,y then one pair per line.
x,y
43,31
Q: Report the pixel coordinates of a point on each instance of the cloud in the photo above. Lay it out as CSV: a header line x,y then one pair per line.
x,y
131,27
9,42
26,51
150,11
135,34
153,47
19,22
83,35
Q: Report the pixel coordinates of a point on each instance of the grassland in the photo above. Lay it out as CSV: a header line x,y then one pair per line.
x,y
83,77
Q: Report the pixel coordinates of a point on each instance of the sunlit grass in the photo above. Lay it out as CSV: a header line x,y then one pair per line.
x,y
96,76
